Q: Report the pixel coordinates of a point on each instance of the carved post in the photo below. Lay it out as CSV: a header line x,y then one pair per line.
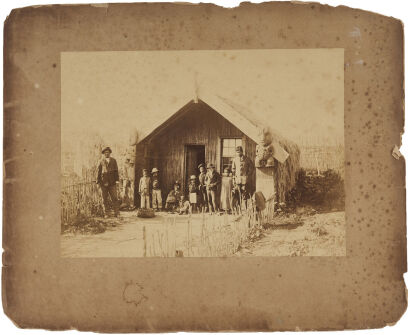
x,y
264,163
265,182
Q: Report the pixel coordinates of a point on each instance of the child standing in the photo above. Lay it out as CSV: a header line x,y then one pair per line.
x,y
193,192
203,199
144,189
212,181
226,191
156,191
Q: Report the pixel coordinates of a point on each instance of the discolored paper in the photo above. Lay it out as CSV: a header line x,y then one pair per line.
x,y
333,76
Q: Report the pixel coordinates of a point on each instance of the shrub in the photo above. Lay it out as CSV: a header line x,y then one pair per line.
x,y
323,192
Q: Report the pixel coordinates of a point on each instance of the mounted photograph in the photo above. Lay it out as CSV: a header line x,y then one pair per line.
x,y
206,153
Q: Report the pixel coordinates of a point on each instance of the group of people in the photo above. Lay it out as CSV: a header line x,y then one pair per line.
x,y
150,186
207,192
202,192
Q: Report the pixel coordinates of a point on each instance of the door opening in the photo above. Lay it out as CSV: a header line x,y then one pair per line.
x,y
194,155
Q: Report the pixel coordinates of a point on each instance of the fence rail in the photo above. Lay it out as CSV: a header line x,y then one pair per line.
x,y
81,198
213,236
321,158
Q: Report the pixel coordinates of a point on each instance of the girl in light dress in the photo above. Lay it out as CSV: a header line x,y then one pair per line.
x,y
226,191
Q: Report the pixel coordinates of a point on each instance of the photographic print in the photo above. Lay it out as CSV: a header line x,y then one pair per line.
x,y
202,153
179,167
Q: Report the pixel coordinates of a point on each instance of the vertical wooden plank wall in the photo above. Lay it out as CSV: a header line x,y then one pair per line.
x,y
201,125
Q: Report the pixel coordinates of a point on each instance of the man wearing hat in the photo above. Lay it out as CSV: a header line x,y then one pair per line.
x,y
156,190
108,179
203,199
212,181
242,168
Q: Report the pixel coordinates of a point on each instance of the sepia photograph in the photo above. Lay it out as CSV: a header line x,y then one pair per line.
x,y
205,153
192,167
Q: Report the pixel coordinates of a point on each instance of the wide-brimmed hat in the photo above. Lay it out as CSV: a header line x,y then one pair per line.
x,y
144,170
239,148
201,165
154,170
193,177
210,165
105,149
177,183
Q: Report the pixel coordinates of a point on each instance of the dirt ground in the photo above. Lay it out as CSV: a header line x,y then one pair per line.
x,y
307,235
303,235
124,236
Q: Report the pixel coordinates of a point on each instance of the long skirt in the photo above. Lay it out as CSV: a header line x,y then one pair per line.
x,y
226,193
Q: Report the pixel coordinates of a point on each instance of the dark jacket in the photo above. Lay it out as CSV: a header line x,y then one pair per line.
x,y
110,176
174,196
145,185
212,181
193,187
242,168
155,183
201,179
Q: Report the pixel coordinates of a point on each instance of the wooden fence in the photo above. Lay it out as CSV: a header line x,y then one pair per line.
x,y
213,236
322,158
81,198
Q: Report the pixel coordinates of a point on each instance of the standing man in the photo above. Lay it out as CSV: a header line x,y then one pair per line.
x,y
212,181
108,179
242,168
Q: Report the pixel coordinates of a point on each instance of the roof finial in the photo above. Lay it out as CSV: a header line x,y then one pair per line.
x,y
196,87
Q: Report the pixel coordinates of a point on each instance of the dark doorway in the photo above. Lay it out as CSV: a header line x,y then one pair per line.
x,y
194,155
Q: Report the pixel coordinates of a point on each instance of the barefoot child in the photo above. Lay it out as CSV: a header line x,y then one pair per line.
x,y
156,191
193,192
184,206
173,198
212,181
226,191
144,189
203,199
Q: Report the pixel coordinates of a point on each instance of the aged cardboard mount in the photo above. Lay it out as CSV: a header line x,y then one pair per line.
x,y
42,289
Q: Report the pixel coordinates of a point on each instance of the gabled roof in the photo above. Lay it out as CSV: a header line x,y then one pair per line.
x,y
234,113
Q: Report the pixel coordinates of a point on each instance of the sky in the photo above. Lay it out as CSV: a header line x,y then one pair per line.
x,y
298,92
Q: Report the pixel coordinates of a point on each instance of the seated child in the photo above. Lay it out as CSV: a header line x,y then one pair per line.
x,y
184,206
174,197
193,188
